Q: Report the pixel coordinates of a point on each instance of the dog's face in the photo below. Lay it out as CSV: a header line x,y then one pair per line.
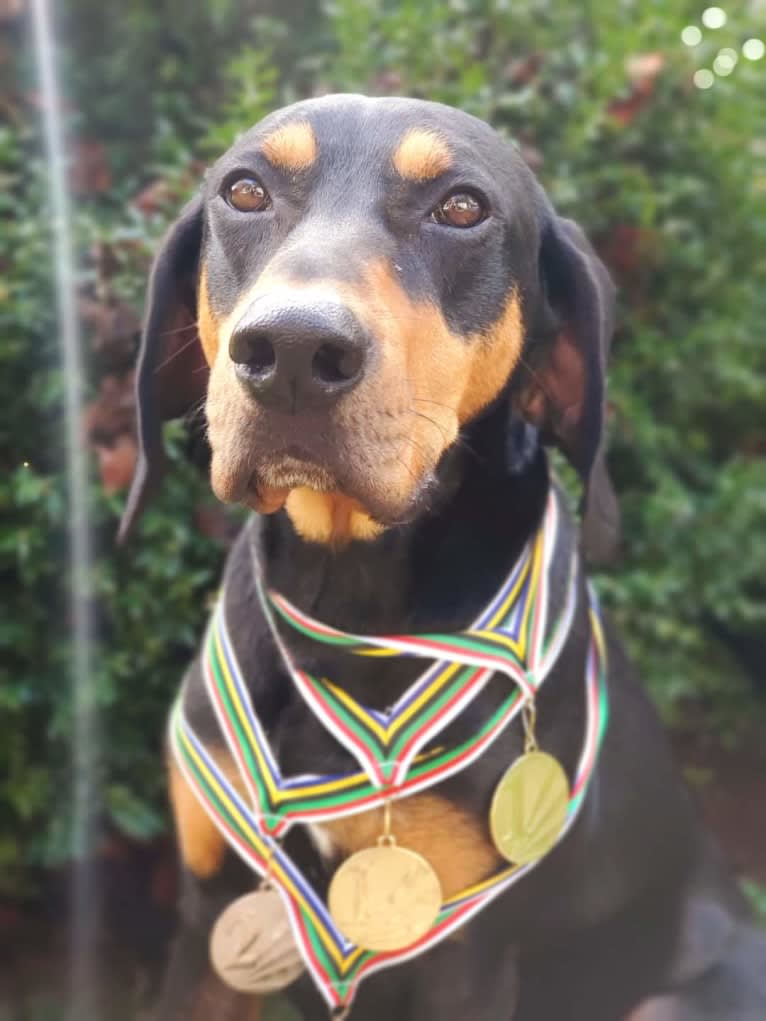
x,y
366,276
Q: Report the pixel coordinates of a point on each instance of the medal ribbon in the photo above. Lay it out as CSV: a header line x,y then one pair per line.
x,y
509,637
336,965
424,710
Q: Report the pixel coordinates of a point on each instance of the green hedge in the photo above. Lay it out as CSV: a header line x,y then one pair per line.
x,y
670,182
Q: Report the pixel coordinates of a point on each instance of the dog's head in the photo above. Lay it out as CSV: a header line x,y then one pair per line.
x,y
358,280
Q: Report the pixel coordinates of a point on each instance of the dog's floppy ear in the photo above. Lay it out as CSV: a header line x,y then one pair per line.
x,y
172,375
564,391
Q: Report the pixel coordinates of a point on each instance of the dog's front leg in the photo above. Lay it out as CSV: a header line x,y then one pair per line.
x,y
191,991
211,879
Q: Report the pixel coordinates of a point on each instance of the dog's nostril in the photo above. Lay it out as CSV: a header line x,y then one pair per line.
x,y
253,353
335,363
261,358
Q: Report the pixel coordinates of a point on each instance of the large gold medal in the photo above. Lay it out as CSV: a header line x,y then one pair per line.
x,y
385,897
252,947
529,807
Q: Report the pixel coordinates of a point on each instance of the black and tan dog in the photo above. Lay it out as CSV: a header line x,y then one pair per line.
x,y
391,321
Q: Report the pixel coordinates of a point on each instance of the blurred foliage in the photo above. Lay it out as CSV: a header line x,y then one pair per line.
x,y
148,600
669,180
757,896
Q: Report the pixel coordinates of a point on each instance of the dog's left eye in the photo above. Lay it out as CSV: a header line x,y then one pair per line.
x,y
247,195
461,209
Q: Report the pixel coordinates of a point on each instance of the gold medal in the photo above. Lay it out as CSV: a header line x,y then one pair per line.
x,y
252,947
530,804
529,808
385,897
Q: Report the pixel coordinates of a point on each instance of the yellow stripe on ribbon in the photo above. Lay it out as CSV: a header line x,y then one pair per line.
x,y
386,733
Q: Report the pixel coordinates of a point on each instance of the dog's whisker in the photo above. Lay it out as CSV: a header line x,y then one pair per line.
x,y
179,351
407,468
441,430
198,408
179,329
423,451
438,404
537,378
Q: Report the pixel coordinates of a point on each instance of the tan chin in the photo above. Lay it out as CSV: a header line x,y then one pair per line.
x,y
268,500
330,518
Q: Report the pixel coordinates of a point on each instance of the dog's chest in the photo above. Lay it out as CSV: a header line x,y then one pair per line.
x,y
454,841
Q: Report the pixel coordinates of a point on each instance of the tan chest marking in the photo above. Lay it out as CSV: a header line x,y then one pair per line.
x,y
455,844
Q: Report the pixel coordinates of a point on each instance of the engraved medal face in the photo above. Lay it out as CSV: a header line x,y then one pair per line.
x,y
385,897
529,808
252,947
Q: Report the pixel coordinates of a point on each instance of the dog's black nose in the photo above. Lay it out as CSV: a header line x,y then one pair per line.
x,y
297,357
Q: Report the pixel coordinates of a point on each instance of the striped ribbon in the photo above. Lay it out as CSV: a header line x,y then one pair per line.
x,y
508,637
380,740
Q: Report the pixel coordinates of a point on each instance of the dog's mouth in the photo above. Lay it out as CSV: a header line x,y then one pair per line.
x,y
264,465
269,486
294,469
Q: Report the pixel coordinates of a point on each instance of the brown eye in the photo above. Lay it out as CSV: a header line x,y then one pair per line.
x,y
247,195
460,210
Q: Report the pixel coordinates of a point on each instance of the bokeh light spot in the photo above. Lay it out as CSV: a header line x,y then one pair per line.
x,y
714,17
691,36
723,64
704,78
753,49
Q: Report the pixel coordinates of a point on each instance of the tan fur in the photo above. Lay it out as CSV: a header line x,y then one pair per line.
x,y
496,357
201,845
207,325
396,424
454,843
329,517
422,155
292,147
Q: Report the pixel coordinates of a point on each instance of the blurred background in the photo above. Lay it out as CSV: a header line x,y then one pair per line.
x,y
645,120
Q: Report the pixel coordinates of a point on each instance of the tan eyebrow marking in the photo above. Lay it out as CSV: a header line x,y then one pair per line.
x,y
422,155
291,147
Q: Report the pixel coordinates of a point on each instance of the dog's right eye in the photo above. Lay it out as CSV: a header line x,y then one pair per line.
x,y
247,195
461,209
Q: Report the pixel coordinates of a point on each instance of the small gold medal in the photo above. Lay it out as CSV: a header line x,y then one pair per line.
x,y
385,897
252,947
529,806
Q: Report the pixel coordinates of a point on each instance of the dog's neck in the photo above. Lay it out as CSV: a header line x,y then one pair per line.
x,y
435,573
